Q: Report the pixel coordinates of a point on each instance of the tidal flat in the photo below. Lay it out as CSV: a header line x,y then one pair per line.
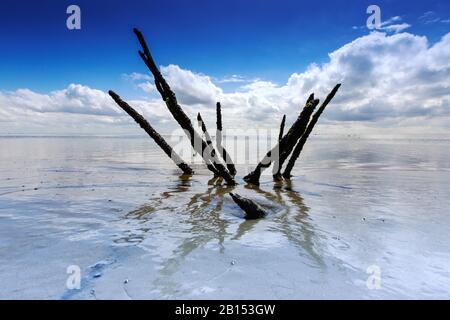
x,y
118,209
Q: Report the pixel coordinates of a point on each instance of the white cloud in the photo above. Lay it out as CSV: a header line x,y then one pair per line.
x,y
391,20
235,79
384,78
135,76
396,28
147,86
232,79
75,98
191,88
388,81
72,110
390,25
429,17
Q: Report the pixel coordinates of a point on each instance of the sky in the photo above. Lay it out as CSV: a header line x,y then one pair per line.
x,y
261,59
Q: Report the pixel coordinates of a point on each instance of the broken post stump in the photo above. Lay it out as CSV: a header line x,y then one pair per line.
x,y
252,209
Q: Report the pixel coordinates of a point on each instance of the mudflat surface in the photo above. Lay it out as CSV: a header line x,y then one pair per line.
x,y
117,209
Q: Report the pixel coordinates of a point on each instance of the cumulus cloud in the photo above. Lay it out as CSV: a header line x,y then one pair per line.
x,y
147,86
387,81
191,88
75,98
384,77
72,110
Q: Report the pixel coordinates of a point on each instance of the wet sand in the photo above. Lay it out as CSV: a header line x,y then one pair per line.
x,y
117,208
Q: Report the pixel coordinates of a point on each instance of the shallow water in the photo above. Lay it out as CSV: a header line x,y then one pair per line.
x,y
117,208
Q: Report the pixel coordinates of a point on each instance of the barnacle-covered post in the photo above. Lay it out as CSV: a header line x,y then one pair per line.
x,y
299,147
287,143
219,143
198,144
152,133
276,165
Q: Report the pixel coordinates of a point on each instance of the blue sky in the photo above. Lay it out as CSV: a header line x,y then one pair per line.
x,y
261,58
267,39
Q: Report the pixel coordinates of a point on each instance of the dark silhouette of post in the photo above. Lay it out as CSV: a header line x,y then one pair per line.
x,y
152,133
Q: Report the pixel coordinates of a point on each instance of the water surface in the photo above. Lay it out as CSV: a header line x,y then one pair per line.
x,y
118,209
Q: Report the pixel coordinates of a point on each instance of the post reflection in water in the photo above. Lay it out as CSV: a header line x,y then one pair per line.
x,y
211,217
